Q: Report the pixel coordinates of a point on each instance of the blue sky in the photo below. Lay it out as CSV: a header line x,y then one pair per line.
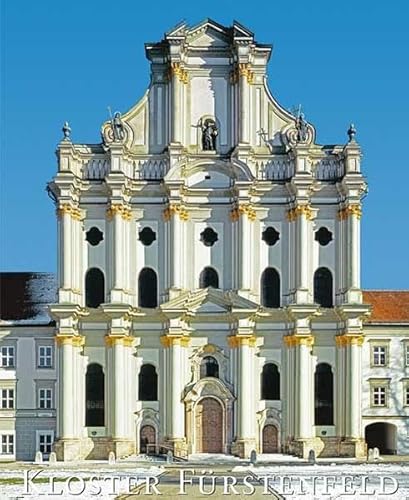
x,y
344,61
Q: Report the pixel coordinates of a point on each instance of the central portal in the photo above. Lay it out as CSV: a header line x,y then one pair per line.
x,y
209,426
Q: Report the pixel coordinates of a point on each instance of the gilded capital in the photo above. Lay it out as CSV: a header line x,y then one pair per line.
x,y
235,341
172,340
243,209
74,340
125,340
119,209
179,72
294,340
345,340
305,210
354,210
67,209
175,208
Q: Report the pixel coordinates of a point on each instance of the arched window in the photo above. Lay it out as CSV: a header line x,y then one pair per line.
x,y
148,288
94,287
209,277
324,395
209,367
95,396
270,288
323,287
148,383
270,382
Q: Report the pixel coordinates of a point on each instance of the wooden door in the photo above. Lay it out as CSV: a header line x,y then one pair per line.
x,y
209,426
270,439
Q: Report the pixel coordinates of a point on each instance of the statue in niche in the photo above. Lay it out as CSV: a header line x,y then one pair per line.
x,y
209,134
117,126
302,128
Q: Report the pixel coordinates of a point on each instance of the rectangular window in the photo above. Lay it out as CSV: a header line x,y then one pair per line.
x,y
407,396
7,399
45,442
7,356
407,354
7,444
45,356
379,396
45,398
379,355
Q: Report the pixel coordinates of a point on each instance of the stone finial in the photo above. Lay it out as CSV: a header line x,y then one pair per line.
x,y
66,130
351,132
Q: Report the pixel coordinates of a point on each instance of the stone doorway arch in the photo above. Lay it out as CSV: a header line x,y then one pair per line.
x,y
209,416
147,436
270,439
209,426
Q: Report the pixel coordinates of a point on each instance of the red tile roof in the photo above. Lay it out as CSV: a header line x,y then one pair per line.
x,y
388,306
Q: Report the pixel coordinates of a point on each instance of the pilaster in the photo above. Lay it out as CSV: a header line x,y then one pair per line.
x,y
174,378
245,439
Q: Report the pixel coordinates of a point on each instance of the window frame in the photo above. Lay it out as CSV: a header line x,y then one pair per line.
x,y
379,343
45,432
45,356
45,398
8,356
7,443
5,399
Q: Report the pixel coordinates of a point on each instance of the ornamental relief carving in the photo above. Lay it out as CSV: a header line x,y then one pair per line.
x,y
208,350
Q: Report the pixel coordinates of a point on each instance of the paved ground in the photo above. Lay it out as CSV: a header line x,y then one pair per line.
x,y
222,482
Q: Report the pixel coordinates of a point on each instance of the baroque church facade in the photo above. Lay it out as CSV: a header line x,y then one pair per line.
x,y
208,295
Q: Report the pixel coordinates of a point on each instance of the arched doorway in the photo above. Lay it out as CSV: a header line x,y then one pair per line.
x,y
209,426
270,439
383,436
147,436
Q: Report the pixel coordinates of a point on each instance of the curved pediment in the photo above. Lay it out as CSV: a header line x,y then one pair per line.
x,y
208,386
208,172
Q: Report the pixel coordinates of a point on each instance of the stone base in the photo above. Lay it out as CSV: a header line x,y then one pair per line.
x,y
178,446
242,448
98,448
71,450
122,447
326,447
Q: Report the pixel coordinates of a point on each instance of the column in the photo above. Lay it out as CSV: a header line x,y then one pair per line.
x,y
68,445
176,214
64,250
302,215
244,102
119,351
353,372
175,381
300,393
245,441
351,347
354,237
66,388
176,72
245,214
119,214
